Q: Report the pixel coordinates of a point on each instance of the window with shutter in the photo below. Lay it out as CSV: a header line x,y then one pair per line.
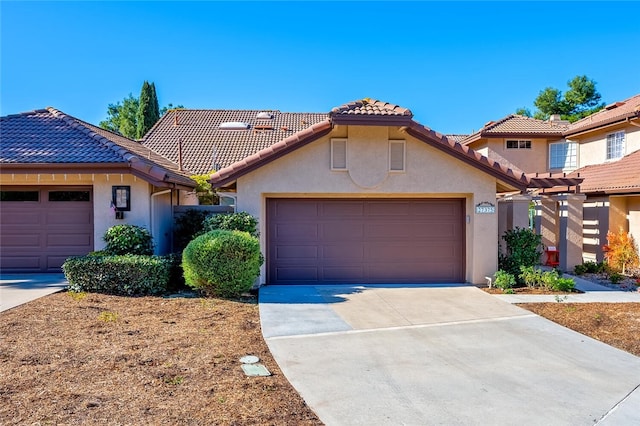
x,y
338,154
396,155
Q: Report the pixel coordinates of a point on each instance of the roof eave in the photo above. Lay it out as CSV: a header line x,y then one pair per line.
x,y
634,115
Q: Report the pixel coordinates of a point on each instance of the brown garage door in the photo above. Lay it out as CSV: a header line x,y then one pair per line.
x,y
332,241
41,227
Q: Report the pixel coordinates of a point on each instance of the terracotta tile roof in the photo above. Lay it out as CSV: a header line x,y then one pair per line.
x,y
622,176
517,125
205,146
457,138
48,137
612,113
370,107
232,172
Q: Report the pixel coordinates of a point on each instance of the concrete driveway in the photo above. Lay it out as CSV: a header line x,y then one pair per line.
x,y
441,355
16,289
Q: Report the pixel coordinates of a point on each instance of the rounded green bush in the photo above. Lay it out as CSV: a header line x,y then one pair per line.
x,y
239,221
128,239
222,263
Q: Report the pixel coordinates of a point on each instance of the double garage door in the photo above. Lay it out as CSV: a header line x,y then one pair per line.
x,y
41,227
335,241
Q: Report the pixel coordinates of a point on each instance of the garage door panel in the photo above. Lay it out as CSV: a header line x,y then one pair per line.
x,y
297,231
68,217
26,262
343,252
290,210
341,209
68,240
19,217
297,252
346,230
26,240
296,274
368,240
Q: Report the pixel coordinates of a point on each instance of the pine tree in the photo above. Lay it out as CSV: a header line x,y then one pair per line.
x,y
148,111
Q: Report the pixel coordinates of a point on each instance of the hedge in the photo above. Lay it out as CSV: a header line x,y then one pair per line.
x,y
126,275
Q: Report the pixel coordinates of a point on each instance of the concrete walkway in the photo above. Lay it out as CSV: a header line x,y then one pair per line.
x,y
451,355
16,289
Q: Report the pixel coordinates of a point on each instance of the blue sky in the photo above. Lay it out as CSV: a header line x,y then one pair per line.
x,y
456,65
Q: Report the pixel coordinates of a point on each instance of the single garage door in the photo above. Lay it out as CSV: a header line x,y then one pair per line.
x,y
41,227
333,241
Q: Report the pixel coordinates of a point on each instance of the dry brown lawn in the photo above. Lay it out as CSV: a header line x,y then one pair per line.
x,y
108,360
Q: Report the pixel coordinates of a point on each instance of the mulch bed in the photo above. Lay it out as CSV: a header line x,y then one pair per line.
x,y
111,360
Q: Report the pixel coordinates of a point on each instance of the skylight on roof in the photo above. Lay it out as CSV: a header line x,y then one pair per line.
x,y
234,125
264,116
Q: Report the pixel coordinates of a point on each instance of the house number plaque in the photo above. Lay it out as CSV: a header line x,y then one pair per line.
x,y
485,207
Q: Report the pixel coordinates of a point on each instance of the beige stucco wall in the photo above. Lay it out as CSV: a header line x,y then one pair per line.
x,y
103,215
593,147
531,160
633,211
307,172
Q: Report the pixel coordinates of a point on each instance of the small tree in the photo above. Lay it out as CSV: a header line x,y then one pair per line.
x,y
621,251
206,194
523,249
148,109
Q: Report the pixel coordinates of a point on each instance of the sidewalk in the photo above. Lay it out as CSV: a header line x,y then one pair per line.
x,y
592,293
16,289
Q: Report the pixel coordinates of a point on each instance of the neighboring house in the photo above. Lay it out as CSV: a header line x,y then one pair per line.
x,y
61,182
609,158
522,143
601,149
364,194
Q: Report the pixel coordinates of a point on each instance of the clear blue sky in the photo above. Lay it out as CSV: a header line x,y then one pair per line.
x,y
456,65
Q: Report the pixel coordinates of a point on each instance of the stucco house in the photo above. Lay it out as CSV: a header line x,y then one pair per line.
x,y
363,194
602,149
64,182
608,147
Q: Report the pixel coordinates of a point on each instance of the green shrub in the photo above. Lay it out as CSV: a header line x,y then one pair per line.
x,y
240,221
128,239
504,280
523,249
530,276
589,267
580,269
564,284
615,277
176,276
222,263
126,275
188,225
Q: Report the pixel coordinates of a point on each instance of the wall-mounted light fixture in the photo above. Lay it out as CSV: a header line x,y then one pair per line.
x,y
121,200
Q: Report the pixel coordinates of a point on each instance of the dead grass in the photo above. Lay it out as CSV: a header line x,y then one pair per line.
x,y
616,324
108,360
111,360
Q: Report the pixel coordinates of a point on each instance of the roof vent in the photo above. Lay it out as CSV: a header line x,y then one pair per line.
x,y
264,116
614,105
234,125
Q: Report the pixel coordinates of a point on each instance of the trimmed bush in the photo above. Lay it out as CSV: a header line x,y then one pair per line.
x,y
128,275
222,263
128,239
240,221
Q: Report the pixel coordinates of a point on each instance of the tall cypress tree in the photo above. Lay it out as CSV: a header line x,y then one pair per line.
x,y
148,111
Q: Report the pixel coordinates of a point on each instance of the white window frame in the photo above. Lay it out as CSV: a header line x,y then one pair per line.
x,y
616,151
334,141
402,143
522,143
567,154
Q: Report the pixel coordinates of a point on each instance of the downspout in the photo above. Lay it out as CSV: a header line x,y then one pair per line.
x,y
152,208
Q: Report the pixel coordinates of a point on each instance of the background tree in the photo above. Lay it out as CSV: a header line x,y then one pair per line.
x,y
582,99
148,109
123,117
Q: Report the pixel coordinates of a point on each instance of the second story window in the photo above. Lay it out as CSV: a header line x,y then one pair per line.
x,y
563,155
514,144
615,145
